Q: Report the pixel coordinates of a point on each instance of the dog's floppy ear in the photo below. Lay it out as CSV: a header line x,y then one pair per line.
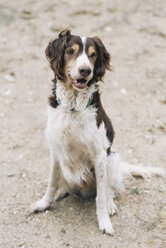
x,y
103,60
55,52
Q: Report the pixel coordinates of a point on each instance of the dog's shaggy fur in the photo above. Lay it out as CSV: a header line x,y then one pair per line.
x,y
79,132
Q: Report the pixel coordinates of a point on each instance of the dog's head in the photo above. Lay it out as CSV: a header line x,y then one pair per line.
x,y
78,61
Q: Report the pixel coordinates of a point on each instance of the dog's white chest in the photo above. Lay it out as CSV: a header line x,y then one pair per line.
x,y
74,135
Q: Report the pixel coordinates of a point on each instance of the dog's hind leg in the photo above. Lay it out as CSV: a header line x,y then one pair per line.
x,y
111,206
62,191
114,181
115,175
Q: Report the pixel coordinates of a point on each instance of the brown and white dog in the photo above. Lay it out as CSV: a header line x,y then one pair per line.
x,y
79,132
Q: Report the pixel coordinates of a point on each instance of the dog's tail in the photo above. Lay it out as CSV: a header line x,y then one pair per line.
x,y
119,171
129,170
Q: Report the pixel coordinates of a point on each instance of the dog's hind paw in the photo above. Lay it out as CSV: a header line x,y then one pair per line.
x,y
112,208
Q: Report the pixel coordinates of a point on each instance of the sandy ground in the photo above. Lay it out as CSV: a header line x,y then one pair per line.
x,y
134,96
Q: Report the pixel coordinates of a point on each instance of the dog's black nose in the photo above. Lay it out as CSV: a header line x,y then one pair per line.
x,y
85,71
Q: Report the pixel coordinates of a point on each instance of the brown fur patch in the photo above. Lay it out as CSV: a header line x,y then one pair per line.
x,y
102,117
91,50
67,80
69,84
103,60
75,47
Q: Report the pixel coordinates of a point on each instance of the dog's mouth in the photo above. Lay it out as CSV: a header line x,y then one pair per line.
x,y
79,83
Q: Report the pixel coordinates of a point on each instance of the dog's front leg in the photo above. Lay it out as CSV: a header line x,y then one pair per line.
x,y
48,197
101,200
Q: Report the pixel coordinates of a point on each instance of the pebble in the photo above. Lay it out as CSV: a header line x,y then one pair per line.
x,y
163,99
63,230
26,14
130,151
20,156
9,77
160,125
147,191
21,245
24,175
10,175
108,29
135,190
66,244
123,91
7,92
150,139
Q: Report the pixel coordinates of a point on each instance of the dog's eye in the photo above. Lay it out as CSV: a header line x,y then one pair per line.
x,y
70,51
93,55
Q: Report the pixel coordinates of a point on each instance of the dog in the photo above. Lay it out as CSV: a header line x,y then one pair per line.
x,y
79,132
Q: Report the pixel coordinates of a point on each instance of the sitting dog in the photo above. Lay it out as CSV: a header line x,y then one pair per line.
x,y
79,132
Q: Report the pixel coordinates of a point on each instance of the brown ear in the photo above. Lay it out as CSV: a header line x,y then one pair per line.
x,y
55,52
103,60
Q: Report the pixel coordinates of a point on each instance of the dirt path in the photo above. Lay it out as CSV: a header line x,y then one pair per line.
x,y
134,96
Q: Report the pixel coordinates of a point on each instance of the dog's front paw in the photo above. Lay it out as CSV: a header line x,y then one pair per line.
x,y
40,205
105,226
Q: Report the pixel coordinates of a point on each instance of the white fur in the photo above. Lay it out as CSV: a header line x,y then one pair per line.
x,y
73,99
76,144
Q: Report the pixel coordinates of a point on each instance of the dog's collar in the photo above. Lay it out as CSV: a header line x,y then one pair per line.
x,y
73,109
